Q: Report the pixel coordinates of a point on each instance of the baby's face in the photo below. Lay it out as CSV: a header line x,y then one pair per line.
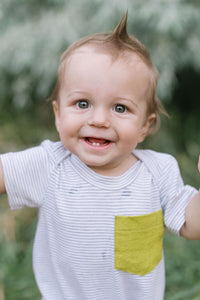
x,y
101,114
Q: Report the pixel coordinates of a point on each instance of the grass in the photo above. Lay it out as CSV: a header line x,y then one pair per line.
x,y
16,240
182,268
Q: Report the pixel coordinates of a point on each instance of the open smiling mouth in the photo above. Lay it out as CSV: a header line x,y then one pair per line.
x,y
98,142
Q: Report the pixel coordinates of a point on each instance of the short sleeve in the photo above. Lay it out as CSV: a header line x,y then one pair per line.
x,y
26,175
174,194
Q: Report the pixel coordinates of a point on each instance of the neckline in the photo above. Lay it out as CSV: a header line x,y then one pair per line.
x,y
102,181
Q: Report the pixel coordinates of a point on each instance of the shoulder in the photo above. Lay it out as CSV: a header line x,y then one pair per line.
x,y
55,150
156,162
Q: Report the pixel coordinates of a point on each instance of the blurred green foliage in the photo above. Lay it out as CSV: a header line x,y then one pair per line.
x,y
33,35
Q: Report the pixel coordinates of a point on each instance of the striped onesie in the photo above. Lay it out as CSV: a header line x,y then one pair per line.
x,y
98,237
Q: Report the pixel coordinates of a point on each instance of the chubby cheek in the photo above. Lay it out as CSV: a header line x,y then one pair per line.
x,y
66,139
66,132
57,123
69,134
63,123
130,133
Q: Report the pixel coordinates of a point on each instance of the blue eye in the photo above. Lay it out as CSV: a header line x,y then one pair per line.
x,y
83,104
120,108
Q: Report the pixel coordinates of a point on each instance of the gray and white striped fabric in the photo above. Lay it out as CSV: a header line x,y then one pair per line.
x,y
74,248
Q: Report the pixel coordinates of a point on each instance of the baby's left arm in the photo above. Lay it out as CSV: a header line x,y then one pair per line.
x,y
191,227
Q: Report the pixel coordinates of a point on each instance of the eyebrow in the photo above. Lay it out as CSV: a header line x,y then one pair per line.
x,y
129,99
71,93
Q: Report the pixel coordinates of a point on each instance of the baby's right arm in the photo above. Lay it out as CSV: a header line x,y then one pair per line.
x,y
2,184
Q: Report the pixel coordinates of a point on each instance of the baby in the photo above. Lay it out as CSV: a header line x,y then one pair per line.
x,y
102,204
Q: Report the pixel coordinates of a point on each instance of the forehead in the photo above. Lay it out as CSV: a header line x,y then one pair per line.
x,y
91,54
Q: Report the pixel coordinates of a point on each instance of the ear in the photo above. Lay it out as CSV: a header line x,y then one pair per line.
x,y
56,114
146,126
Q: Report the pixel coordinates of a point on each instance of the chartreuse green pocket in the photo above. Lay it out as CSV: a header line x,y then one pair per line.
x,y
138,242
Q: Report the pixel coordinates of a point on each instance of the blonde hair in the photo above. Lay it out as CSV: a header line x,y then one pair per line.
x,y
115,44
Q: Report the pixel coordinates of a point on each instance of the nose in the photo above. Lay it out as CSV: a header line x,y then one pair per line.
x,y
99,118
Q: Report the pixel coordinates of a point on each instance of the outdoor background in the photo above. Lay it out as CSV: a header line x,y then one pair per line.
x,y
33,34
